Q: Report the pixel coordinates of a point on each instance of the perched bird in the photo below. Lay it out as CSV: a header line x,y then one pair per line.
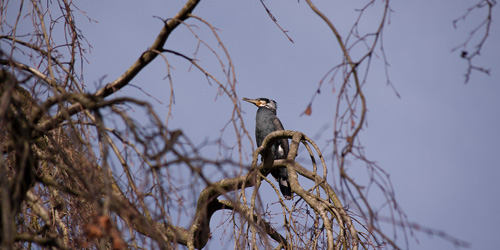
x,y
266,123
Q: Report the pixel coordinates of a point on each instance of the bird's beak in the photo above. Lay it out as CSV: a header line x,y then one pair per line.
x,y
254,101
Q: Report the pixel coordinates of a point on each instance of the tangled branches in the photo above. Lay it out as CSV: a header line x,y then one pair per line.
x,y
100,170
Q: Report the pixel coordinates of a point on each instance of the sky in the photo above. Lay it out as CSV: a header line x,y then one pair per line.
x,y
439,140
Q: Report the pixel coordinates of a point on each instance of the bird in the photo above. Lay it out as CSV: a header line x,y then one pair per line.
x,y
266,123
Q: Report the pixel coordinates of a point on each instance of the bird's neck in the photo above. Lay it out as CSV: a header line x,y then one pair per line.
x,y
264,109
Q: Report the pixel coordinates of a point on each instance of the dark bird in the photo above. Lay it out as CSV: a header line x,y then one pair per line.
x,y
266,123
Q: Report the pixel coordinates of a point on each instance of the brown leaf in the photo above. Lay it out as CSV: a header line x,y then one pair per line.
x,y
308,110
104,222
118,242
93,231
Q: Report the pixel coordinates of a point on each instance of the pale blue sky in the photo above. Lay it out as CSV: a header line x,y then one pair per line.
x,y
440,141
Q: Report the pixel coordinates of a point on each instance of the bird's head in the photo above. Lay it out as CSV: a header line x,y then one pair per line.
x,y
263,102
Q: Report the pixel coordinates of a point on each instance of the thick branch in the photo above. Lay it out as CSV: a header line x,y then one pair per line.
x,y
131,72
149,55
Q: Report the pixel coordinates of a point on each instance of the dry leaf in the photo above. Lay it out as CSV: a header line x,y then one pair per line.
x,y
104,222
308,110
93,231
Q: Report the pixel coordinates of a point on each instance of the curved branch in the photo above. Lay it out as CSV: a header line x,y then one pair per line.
x,y
131,72
149,55
353,71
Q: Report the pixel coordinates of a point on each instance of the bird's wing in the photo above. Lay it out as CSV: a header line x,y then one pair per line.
x,y
277,124
282,142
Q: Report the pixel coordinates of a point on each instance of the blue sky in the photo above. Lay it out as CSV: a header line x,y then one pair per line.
x,y
439,142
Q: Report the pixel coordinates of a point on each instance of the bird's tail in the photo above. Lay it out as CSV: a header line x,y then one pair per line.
x,y
285,188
